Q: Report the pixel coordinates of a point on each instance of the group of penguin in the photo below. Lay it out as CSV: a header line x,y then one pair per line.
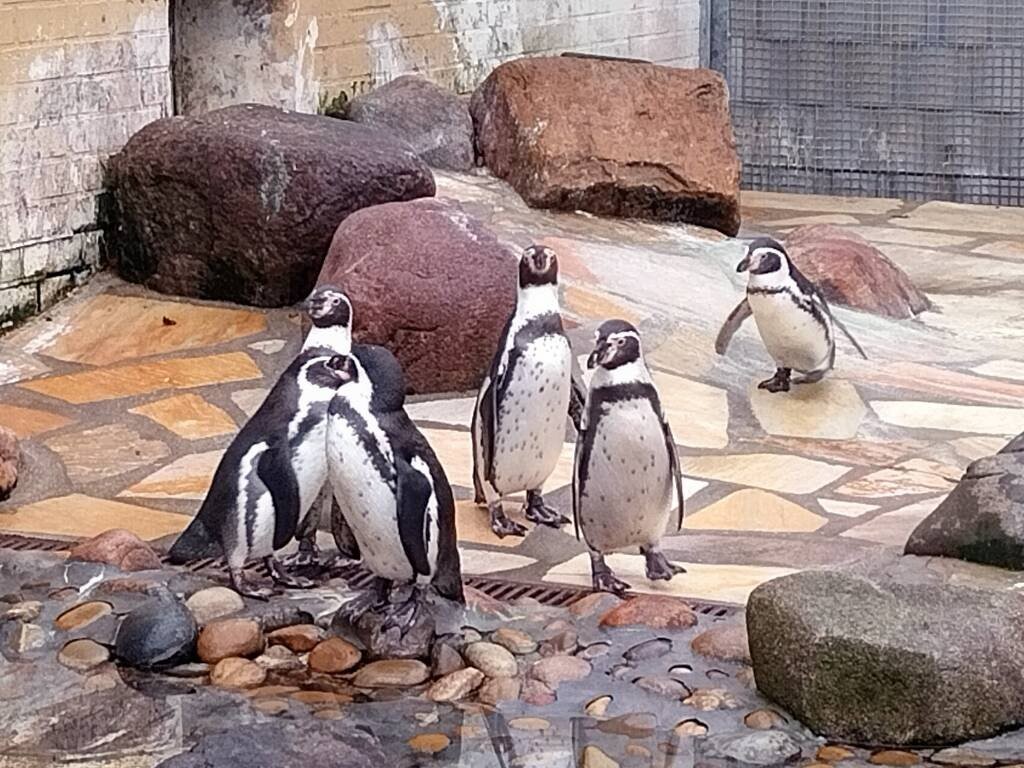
x,y
334,430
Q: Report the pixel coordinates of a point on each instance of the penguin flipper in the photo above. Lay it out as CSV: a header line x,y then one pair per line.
x,y
732,324
413,496
580,457
482,430
274,469
577,395
673,464
839,324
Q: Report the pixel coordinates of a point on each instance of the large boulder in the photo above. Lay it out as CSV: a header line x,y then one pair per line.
x,y
428,282
889,660
616,138
982,520
851,271
240,204
434,121
10,456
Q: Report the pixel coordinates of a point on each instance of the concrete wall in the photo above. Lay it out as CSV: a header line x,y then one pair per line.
x,y
305,54
76,79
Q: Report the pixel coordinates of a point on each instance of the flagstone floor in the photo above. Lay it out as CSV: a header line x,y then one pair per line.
x,y
124,399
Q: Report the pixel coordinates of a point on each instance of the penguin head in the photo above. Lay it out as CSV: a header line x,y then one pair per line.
x,y
764,256
617,343
343,368
328,306
538,266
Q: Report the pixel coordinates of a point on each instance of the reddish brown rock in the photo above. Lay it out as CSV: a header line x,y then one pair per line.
x,y
615,138
299,638
652,611
229,637
725,643
536,693
117,547
334,655
423,276
10,457
254,226
237,673
851,271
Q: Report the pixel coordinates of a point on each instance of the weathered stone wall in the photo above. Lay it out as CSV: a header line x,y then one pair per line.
x,y
76,79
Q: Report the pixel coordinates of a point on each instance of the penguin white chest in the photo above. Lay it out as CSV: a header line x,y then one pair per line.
x,y
309,458
362,476
627,497
532,410
792,336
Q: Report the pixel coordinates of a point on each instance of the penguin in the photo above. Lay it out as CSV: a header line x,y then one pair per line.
x,y
626,466
394,494
273,471
792,317
518,424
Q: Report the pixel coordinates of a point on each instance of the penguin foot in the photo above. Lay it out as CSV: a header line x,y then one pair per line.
x,y
285,579
372,599
245,588
540,513
606,581
402,615
777,383
658,566
502,525
308,555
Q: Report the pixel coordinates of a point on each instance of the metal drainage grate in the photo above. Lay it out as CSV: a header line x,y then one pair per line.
x,y
502,590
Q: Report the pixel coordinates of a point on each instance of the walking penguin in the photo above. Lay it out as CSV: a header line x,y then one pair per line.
x,y
626,468
519,420
792,317
273,471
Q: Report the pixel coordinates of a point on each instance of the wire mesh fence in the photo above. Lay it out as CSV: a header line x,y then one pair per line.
x,y
896,98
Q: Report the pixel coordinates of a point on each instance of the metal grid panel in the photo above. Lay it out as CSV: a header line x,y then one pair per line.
x,y
896,98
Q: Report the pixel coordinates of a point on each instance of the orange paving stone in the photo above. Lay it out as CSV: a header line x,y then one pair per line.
x,y
189,416
927,379
186,478
81,516
597,306
754,510
27,422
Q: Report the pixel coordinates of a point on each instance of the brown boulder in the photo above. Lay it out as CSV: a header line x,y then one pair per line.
x,y
615,138
222,639
117,547
10,456
851,271
428,282
651,611
240,203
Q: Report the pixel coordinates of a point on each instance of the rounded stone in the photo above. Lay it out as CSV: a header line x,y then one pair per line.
x,y
960,757
455,686
300,638
833,754
82,655
710,699
598,707
536,693
159,633
27,610
225,638
651,611
334,656
663,686
635,725
555,670
391,674
321,698
515,641
429,743
214,603
492,659
690,727
764,720
654,648
894,758
767,748
594,757
237,673
82,615
270,706
499,689
529,724
279,659
723,643
118,547
445,659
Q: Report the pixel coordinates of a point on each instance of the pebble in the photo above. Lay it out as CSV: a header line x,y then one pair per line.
x,y
457,685
492,660
321,698
652,611
333,656
117,547
237,673
649,649
598,602
708,699
83,615
766,748
279,659
764,720
515,641
894,757
638,750
528,724
663,686
470,635
566,641
556,626
82,655
391,674
636,725
12,598
445,659
746,678
833,754
536,693
266,691
499,689
160,632
224,638
214,603
27,610
429,743
21,637
724,643
691,727
555,670
598,707
301,638
270,706
193,669
594,758
594,651
962,757
329,714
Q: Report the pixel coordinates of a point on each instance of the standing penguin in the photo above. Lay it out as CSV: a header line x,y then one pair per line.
x,y
519,419
626,468
391,489
795,323
273,471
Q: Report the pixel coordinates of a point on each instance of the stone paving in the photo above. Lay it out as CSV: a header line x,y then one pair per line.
x,y
124,399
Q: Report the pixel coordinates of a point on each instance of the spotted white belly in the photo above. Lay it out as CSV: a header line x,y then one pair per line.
x,y
367,501
626,501
309,460
792,336
530,427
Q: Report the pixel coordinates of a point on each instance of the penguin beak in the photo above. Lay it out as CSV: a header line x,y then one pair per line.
x,y
597,356
744,265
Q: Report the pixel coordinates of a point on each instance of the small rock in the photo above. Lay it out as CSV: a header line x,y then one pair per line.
x,y
598,707
833,754
758,748
649,649
161,632
663,686
691,727
268,691
82,615
333,656
594,651
639,750
279,659
894,757
566,641
597,602
429,743
225,638
536,693
301,638
593,757
21,637
237,673
391,674
555,670
445,660
455,686
492,660
194,669
636,725
470,636
127,584
746,678
117,547
321,698
558,625
214,603
27,610
413,643
529,724
499,689
962,757
12,598
482,603
709,699
10,458
652,611
270,706
764,720
515,641
82,655
621,671
724,643
275,615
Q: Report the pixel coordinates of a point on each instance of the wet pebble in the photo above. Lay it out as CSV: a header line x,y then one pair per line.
x,y
594,651
652,611
764,720
214,603
279,659
82,655
21,637
492,659
894,758
270,706
301,638
391,674
429,743
597,602
470,635
82,615
555,670
708,699
333,656
649,649
27,610
594,757
237,673
663,686
515,641
598,707
757,748
224,638
566,641
962,757
445,659
529,724
690,727
458,685
499,689
161,632
536,693
726,642
833,754
636,725
320,698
